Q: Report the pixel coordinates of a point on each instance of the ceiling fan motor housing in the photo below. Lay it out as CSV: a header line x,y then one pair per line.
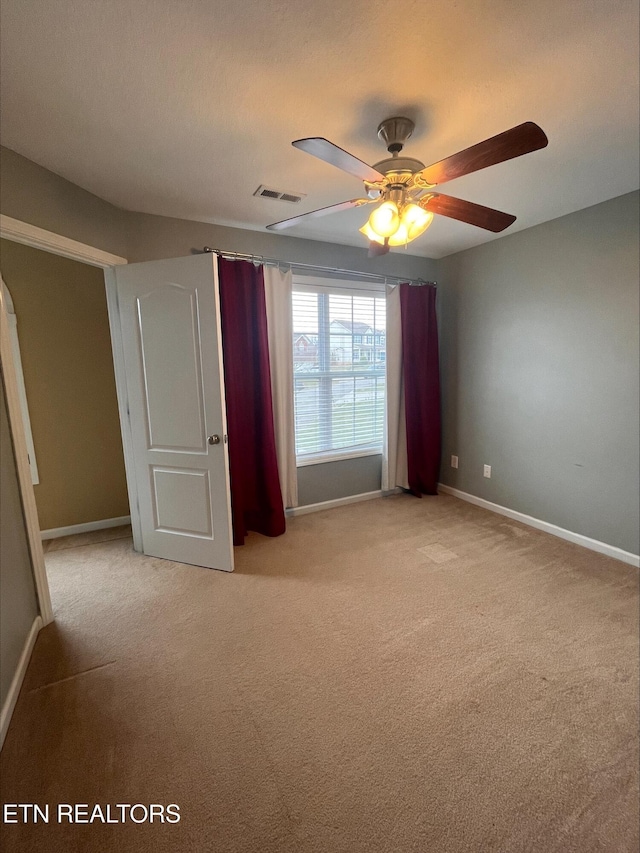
x,y
401,165
394,132
398,170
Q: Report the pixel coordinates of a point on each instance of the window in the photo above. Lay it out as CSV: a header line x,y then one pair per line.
x,y
339,378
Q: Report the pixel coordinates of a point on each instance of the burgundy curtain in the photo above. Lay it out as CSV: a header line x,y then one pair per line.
x,y
421,387
256,499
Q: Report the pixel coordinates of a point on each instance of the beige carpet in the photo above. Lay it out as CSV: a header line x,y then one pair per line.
x,y
399,675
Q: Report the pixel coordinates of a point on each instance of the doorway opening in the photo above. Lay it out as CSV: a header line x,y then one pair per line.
x,y
63,360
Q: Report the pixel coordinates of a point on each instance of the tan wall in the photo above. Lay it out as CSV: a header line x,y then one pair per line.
x,y
68,370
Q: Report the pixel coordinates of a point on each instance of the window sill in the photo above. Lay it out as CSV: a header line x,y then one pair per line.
x,y
321,458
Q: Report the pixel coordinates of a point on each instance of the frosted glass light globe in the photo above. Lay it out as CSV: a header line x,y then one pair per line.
x,y
385,219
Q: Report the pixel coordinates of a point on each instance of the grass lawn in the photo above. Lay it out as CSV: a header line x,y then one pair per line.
x,y
350,426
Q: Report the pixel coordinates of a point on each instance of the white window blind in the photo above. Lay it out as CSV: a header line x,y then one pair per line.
x,y
339,355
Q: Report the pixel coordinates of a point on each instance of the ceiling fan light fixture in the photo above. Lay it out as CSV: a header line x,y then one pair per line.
x,y
385,219
401,237
416,220
411,223
370,234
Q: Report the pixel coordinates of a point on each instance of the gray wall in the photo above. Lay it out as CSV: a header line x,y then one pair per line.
x,y
539,360
343,478
538,341
18,603
155,237
35,195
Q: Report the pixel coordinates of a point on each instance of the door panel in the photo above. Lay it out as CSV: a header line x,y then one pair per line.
x,y
182,501
172,375
170,318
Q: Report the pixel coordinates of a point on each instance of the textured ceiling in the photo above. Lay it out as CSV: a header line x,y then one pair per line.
x,y
184,108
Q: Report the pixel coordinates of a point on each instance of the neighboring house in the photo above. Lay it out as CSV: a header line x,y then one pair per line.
x,y
355,342
305,351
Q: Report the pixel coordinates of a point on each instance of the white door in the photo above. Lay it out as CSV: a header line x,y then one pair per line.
x,y
170,319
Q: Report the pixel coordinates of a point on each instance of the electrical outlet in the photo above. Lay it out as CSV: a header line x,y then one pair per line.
x,y
454,461
487,471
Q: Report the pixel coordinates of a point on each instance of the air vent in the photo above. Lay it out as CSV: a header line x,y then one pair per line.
x,y
268,192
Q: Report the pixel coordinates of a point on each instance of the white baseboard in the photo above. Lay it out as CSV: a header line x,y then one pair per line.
x,y
554,530
18,678
87,527
352,499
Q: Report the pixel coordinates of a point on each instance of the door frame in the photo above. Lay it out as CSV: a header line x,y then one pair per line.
x,y
48,241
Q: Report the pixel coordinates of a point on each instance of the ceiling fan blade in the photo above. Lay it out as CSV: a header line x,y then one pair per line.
x,y
512,143
376,249
321,211
468,211
330,153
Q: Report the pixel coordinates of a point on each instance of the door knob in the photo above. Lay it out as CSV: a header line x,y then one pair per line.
x,y
214,439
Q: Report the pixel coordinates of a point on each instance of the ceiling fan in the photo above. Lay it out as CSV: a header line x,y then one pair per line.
x,y
403,186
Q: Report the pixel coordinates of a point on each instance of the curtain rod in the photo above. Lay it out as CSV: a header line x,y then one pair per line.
x,y
238,256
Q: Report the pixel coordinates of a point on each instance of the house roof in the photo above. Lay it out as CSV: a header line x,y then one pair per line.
x,y
353,327
184,110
